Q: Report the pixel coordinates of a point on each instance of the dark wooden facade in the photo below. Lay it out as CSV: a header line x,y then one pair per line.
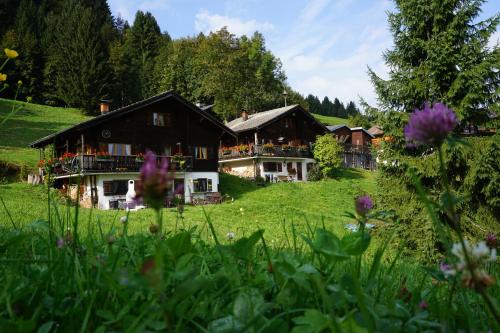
x,y
360,137
294,128
183,130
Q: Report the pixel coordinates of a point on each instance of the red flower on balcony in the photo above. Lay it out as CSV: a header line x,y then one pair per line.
x,y
66,157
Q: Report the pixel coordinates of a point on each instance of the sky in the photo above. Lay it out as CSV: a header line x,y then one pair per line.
x,y
325,45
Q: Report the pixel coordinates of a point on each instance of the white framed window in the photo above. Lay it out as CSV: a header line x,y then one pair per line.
x,y
201,153
202,185
120,149
158,119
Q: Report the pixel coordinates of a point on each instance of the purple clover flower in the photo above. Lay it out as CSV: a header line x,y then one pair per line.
x,y
363,205
60,243
491,240
430,126
423,305
154,182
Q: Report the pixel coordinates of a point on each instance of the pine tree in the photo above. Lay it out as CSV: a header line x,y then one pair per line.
x,y
440,54
29,65
142,46
351,109
314,105
76,60
327,107
339,109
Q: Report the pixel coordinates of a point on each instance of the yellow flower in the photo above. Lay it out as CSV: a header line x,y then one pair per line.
x,y
11,54
29,99
3,77
19,83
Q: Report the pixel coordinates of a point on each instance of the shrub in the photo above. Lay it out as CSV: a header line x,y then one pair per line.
x,y
315,174
473,172
327,152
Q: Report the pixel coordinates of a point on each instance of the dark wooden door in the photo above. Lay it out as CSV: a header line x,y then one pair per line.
x,y
299,170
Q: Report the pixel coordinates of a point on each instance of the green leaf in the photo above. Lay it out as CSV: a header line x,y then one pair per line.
x,y
312,321
355,243
243,247
45,328
180,244
328,244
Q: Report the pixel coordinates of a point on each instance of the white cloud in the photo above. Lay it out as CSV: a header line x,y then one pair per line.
x,y
312,10
207,22
494,39
329,55
127,8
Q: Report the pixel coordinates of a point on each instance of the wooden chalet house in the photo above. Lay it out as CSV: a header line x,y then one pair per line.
x,y
357,146
275,144
106,153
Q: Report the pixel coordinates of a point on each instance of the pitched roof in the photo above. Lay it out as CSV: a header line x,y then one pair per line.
x,y
361,129
375,130
261,119
130,108
336,127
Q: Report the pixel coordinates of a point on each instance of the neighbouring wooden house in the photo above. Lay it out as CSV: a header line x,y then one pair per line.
x,y
100,158
357,146
275,144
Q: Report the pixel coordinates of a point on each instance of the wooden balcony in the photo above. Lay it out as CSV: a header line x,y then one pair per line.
x,y
116,164
264,150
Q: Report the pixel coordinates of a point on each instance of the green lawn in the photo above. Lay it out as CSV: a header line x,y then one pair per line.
x,y
30,122
330,120
253,207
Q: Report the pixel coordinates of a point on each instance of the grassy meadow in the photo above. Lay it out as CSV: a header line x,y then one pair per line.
x,y
247,208
330,120
30,122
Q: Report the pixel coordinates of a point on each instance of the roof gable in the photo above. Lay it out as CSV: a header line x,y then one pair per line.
x,y
262,119
132,108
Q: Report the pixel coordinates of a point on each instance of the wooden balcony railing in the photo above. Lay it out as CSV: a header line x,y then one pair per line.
x,y
264,150
116,164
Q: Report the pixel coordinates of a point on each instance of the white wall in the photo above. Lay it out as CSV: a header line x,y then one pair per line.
x,y
284,170
188,184
190,176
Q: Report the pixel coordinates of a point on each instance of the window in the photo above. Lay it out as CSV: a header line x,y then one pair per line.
x,y
202,185
115,187
158,119
119,149
200,153
273,167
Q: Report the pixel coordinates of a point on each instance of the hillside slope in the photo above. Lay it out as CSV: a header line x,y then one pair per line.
x,y
330,120
31,122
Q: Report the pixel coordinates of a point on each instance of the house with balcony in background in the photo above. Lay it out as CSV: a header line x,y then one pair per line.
x,y
275,145
100,158
357,146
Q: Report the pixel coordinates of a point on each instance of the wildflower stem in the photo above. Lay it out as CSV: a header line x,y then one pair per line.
x,y
362,224
489,302
159,221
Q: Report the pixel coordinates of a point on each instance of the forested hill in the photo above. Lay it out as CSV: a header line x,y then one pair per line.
x,y
74,53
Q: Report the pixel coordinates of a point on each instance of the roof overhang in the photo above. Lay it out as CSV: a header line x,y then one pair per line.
x,y
128,109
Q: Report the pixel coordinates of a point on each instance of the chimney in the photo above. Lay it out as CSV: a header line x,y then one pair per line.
x,y
244,116
104,106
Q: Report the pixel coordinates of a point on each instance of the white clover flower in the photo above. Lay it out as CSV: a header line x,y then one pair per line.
x,y
230,235
123,219
473,276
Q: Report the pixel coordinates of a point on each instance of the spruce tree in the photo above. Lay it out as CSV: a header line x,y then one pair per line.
x,y
440,54
76,61
142,47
